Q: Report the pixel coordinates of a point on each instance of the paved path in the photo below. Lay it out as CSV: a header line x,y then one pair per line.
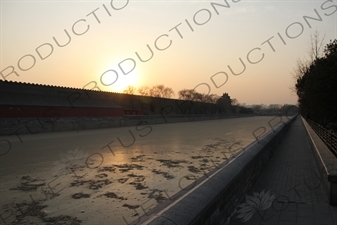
x,y
292,176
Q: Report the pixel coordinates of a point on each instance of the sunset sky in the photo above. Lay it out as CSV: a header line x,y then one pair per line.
x,y
192,42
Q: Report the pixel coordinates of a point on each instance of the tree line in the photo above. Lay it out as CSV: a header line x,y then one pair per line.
x,y
316,83
166,92
222,102
159,91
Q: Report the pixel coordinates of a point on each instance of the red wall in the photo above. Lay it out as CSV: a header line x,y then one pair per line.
x,y
29,111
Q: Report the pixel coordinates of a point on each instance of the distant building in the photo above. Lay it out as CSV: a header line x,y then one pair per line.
x,y
225,105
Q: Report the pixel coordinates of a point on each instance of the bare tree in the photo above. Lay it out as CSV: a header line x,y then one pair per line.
x,y
212,98
161,91
192,95
315,51
299,71
186,94
130,90
168,92
144,90
198,97
316,46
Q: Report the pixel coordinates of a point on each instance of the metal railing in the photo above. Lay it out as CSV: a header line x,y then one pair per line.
x,y
328,137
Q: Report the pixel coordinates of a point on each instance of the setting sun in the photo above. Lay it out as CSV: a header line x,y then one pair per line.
x,y
116,80
125,80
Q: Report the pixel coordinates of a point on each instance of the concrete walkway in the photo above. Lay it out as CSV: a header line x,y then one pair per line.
x,y
296,191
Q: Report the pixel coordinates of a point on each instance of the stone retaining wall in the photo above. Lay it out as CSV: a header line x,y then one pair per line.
x,y
10,126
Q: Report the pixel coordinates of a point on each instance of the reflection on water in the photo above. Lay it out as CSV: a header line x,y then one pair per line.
x,y
143,173
100,183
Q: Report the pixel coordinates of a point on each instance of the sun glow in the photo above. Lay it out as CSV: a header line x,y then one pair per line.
x,y
125,80
117,80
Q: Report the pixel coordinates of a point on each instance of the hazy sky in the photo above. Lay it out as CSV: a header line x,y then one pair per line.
x,y
192,42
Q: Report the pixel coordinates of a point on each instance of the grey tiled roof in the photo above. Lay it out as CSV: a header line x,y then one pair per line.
x,y
14,93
